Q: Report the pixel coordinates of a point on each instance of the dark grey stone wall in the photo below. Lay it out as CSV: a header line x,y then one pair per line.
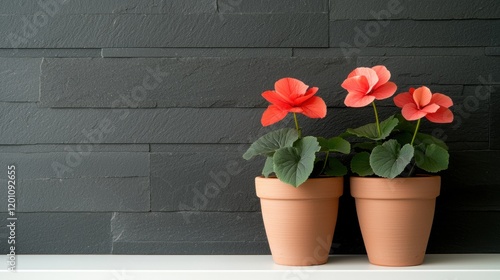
x,y
126,120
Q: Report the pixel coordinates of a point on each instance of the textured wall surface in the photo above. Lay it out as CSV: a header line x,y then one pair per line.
x,y
126,119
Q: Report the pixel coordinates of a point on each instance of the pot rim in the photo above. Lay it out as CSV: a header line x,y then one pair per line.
x,y
312,188
424,187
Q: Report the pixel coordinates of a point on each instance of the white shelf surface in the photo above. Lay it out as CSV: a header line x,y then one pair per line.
x,y
180,267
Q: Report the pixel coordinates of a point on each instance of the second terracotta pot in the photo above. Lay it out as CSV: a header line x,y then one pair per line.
x,y
299,222
395,216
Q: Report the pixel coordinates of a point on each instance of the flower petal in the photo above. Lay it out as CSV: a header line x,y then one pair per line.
x,y
410,112
272,114
290,88
276,99
422,96
370,74
356,99
402,99
314,108
442,100
383,75
357,84
442,115
309,93
296,110
431,108
385,91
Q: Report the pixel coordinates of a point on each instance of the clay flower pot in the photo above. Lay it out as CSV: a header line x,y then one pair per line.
x,y
395,216
300,221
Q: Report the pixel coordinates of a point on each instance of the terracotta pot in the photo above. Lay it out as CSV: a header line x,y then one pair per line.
x,y
395,216
300,221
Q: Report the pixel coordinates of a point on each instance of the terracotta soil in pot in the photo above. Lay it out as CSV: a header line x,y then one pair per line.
x,y
395,216
300,222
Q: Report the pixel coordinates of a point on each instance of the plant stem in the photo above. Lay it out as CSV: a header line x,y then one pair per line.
x,y
376,119
410,174
416,130
297,125
324,164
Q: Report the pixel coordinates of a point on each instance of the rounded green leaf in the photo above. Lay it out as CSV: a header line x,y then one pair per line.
x,y
389,159
431,158
293,165
335,168
360,164
404,124
338,144
323,142
370,130
423,138
272,141
334,144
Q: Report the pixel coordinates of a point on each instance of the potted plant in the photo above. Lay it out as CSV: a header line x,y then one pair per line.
x,y
394,201
300,183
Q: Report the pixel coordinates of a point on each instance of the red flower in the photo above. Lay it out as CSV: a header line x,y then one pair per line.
x,y
364,85
420,102
292,95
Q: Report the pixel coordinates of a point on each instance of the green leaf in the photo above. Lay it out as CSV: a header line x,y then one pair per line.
x,y
323,143
407,129
335,168
268,167
360,164
345,134
428,139
370,130
421,138
405,125
293,165
272,141
431,158
335,144
338,144
389,159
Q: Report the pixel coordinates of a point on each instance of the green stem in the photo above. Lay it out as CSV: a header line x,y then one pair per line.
x,y
297,125
324,164
416,130
376,119
410,174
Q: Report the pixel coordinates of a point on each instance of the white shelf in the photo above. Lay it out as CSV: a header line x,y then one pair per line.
x,y
152,267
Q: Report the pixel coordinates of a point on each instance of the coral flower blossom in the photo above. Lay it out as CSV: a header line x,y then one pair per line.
x,y
364,85
420,102
292,96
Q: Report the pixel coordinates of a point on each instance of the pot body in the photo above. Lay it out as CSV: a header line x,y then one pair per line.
x,y
395,216
300,222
